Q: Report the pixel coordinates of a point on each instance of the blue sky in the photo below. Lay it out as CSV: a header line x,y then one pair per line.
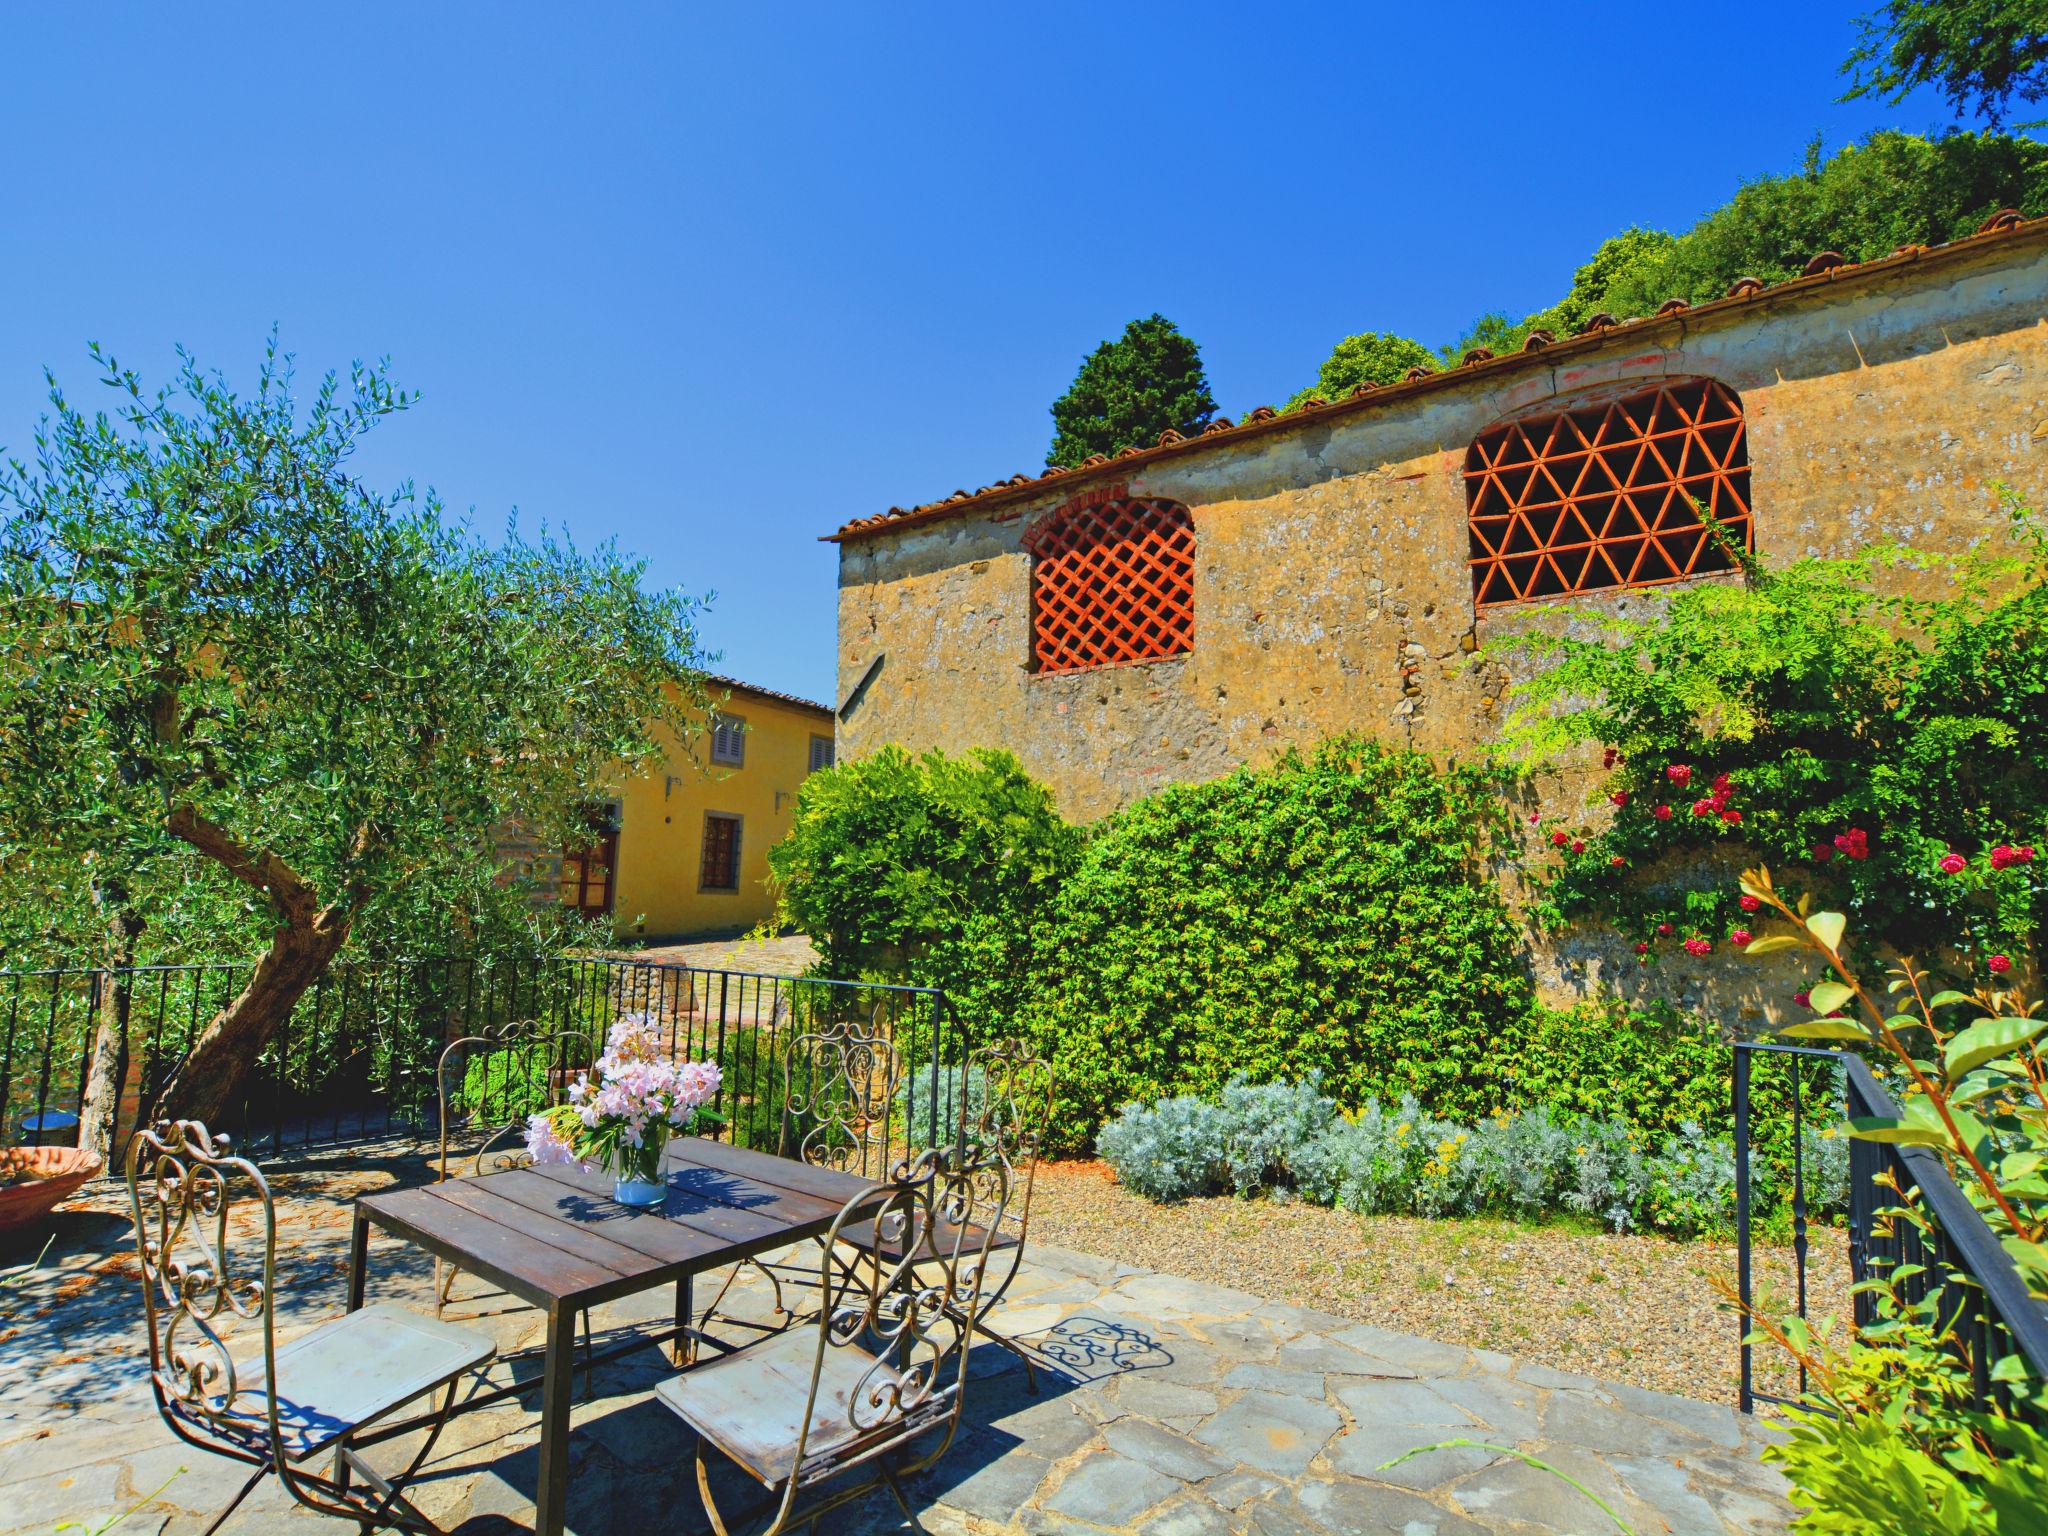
x,y
715,282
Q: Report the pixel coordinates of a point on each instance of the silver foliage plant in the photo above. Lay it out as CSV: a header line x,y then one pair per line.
x,y
1400,1160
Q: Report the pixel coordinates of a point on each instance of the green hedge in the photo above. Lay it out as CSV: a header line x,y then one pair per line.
x,y
1329,913
1326,913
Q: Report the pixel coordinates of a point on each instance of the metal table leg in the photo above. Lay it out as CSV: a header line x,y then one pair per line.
x,y
558,1378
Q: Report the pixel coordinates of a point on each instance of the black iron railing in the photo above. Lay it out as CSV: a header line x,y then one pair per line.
x,y
360,1055
1955,1258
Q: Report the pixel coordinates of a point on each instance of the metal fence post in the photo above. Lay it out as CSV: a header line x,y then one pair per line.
x,y
1745,1392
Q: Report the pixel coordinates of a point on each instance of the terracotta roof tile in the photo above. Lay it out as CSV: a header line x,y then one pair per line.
x,y
1826,267
713,683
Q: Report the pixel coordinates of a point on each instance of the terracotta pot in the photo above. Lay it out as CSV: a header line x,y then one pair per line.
x,y
34,1179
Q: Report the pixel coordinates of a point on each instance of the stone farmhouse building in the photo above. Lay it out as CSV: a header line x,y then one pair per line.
x,y
1183,608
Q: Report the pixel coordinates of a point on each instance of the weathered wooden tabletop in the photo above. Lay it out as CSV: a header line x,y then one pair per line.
x,y
553,1236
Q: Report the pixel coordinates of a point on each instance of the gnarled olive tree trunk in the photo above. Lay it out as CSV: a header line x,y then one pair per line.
x,y
208,1084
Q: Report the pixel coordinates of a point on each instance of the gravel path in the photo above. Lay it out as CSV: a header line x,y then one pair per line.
x,y
1635,1309
789,955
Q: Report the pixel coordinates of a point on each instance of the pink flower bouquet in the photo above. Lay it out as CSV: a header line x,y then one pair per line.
x,y
622,1112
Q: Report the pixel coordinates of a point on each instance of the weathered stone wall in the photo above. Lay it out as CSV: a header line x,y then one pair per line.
x,y
1331,585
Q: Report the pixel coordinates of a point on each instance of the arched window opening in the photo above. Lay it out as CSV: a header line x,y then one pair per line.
x,y
1111,582
1603,495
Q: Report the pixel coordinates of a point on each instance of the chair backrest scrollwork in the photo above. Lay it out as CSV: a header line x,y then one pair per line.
x,y
1011,1120
488,1084
206,1237
909,1300
840,1082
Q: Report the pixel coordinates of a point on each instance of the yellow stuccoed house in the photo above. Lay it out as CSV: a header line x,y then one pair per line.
x,y
681,850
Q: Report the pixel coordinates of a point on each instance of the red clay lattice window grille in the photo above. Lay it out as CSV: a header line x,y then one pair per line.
x,y
1112,583
1603,496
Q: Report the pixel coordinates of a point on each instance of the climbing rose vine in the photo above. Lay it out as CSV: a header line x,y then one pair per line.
x,y
1809,714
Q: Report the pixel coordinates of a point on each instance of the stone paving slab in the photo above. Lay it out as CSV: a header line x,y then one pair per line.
x,y
1167,1407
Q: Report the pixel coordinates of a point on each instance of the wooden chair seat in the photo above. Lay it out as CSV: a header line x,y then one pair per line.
x,y
750,1403
350,1371
862,1234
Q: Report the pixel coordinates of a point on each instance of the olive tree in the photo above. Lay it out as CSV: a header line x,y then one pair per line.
x,y
228,663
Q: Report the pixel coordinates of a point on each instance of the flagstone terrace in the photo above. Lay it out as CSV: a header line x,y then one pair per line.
x,y
1167,1406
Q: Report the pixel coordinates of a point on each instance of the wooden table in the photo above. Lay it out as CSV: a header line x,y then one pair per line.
x,y
554,1237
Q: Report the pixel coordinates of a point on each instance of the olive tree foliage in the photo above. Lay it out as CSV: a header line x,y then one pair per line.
x,y
229,667
1981,54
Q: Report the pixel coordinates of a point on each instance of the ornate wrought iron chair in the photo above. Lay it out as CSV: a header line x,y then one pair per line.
x,y
521,1063
840,1083
878,1382
1009,1124
192,1199
1014,1089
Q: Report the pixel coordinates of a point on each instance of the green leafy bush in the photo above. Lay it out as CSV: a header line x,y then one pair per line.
x,y
1887,1437
928,870
1864,201
1368,358
1327,913
507,1085
1808,715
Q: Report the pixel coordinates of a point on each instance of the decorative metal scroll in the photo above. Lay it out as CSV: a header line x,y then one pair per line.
x,y
841,1083
1010,1125
193,1199
914,1312
503,1120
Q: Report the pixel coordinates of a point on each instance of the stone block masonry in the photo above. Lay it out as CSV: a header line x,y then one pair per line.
x,y
1333,586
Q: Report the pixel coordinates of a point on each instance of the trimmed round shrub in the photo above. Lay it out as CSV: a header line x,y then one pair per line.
x,y
1326,914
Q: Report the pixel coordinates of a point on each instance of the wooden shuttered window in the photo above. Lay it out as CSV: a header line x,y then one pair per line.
x,y
719,869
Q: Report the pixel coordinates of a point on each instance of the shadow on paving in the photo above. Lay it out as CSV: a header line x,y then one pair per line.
x,y
1167,1407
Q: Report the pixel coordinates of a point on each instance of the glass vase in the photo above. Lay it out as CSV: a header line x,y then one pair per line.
x,y
636,1171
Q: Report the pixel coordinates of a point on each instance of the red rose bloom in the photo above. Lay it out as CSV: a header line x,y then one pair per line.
x,y
1679,774
1855,843
1662,813
1953,864
1578,845
1704,807
1803,999
1723,786
1642,949
1616,862
1698,947
1609,758
1999,964
1731,817
1739,937
1664,929
1559,839
1619,797
1750,903
1822,853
